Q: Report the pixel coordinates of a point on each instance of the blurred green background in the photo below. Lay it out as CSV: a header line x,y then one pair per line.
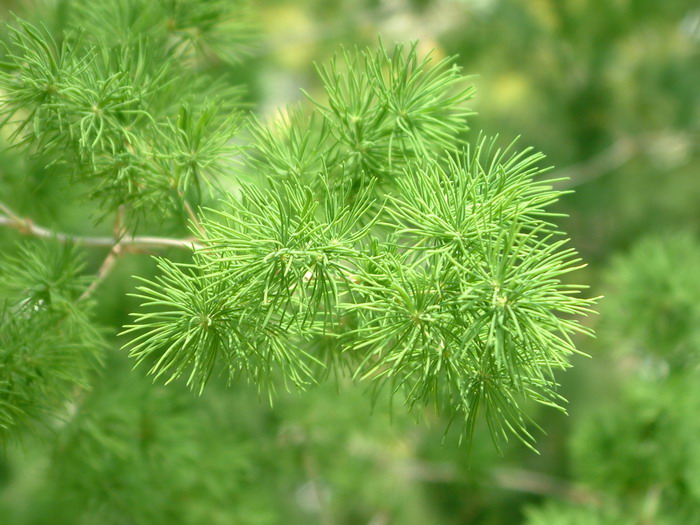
x,y
609,91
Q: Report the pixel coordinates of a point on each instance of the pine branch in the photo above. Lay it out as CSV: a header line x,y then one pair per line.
x,y
432,267
372,239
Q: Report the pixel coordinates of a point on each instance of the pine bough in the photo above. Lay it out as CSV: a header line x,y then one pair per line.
x,y
362,235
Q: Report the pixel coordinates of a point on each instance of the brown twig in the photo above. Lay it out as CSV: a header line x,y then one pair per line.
x,y
27,227
112,256
104,270
119,244
193,217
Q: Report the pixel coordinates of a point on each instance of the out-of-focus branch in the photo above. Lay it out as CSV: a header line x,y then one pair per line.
x,y
664,147
617,155
517,480
521,480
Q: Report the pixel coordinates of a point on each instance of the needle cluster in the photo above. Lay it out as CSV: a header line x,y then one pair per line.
x,y
376,241
129,119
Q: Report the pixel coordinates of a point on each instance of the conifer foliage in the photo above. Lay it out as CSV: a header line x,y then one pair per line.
x,y
48,343
650,318
364,233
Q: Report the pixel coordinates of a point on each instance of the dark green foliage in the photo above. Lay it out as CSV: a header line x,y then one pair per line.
x,y
133,453
651,432
49,346
653,300
637,433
